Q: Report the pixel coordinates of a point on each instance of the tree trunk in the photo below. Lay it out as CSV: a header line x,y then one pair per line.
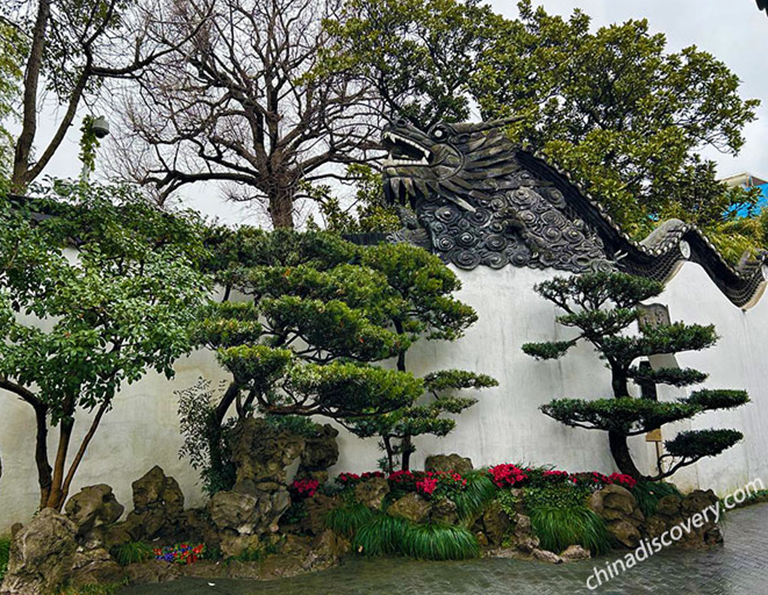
x,y
386,440
44,479
26,139
407,448
620,452
618,441
281,208
226,402
56,495
406,444
619,380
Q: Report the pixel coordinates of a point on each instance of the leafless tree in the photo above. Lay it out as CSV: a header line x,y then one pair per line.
x,y
243,102
73,47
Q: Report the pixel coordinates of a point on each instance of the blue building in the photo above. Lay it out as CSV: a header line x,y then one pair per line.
x,y
747,180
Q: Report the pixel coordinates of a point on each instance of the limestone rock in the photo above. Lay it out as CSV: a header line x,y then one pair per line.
x,y
625,532
614,497
710,533
697,501
158,509
451,462
234,545
317,508
412,507
94,567
619,508
444,511
261,453
655,526
523,525
41,555
92,507
496,523
322,451
527,544
237,513
154,490
371,492
330,545
669,506
547,556
575,552
15,528
234,512
152,571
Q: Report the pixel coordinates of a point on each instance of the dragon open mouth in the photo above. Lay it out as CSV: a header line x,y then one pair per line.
x,y
403,151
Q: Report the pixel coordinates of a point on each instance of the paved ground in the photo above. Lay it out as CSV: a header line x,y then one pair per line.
x,y
738,568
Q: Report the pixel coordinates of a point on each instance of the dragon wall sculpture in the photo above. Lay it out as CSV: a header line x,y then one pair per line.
x,y
477,199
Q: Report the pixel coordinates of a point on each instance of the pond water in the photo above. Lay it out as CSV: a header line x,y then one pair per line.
x,y
738,568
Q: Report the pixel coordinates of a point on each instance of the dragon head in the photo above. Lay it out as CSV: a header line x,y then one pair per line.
x,y
460,163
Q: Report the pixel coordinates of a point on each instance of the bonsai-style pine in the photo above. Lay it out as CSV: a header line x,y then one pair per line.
x,y
429,311
321,314
304,342
602,307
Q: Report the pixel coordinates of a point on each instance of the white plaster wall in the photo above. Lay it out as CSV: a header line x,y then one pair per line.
x,y
143,429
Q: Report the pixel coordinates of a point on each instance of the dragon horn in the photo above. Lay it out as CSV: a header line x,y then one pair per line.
x,y
483,126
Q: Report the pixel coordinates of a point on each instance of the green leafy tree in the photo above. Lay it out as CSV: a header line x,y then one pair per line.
x,y
602,307
367,212
430,311
631,135
397,430
74,330
419,55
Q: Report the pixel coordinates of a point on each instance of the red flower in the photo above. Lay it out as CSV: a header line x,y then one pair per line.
x,y
304,488
426,486
507,475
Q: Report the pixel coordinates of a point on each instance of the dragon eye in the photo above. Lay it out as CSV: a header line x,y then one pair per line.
x,y
439,133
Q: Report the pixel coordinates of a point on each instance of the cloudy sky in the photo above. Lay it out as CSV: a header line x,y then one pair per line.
x,y
733,30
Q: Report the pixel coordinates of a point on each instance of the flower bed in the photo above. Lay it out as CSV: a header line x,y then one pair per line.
x,y
180,554
508,475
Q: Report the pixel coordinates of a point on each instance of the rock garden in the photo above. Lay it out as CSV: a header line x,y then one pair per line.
x,y
268,527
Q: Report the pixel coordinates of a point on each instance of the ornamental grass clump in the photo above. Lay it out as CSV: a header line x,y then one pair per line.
x,y
133,552
5,550
558,527
388,535
348,520
560,517
648,494
434,541
479,492
380,536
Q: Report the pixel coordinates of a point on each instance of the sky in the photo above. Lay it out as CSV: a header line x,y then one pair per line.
x,y
734,31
